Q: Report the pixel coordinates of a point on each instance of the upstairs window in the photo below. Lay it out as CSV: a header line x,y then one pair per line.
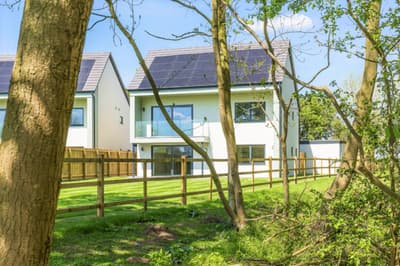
x,y
77,117
2,116
246,153
249,112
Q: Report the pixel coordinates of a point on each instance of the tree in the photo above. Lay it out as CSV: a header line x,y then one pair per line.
x,y
221,55
318,119
236,220
40,101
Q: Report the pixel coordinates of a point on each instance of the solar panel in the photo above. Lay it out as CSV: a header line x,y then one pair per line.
x,y
6,70
84,71
5,75
198,70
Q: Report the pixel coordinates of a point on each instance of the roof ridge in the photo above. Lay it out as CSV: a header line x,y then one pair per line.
x,y
208,48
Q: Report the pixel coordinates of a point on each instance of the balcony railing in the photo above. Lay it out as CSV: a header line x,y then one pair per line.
x,y
148,129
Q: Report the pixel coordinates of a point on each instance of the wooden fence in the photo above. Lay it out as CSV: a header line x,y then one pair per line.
x,y
83,169
299,171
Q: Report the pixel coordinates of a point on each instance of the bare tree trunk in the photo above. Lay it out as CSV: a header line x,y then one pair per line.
x,y
41,96
221,53
285,168
364,101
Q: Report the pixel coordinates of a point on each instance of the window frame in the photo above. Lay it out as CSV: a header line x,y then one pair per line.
x,y
250,152
249,114
171,109
83,117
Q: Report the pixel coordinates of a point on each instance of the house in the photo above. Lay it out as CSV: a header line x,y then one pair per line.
x,y
186,81
100,113
323,149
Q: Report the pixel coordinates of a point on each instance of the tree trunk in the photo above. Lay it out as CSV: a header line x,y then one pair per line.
x,y
364,101
221,53
41,97
284,159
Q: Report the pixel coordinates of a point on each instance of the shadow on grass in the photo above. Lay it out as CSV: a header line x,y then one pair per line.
x,y
199,229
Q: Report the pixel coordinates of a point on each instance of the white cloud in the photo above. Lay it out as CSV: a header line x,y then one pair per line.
x,y
282,23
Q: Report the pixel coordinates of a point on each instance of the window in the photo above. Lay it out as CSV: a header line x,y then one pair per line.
x,y
248,152
167,159
249,112
182,115
2,116
77,117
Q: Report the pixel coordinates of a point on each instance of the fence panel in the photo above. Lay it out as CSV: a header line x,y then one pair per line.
x,y
84,170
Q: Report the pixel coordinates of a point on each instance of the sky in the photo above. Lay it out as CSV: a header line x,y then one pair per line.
x,y
164,18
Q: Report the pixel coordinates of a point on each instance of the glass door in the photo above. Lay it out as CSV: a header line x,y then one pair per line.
x,y
167,160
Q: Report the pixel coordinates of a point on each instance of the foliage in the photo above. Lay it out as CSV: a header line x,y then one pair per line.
x,y
318,118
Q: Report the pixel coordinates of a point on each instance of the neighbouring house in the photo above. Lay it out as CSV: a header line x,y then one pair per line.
x,y
100,113
186,80
322,149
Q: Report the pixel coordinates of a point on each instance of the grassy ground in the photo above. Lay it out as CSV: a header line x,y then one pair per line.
x,y
168,233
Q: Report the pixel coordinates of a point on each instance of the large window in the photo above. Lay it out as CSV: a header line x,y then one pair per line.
x,y
167,160
2,116
77,117
246,153
249,112
182,115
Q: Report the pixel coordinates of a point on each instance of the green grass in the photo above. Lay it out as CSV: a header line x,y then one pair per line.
x,y
199,232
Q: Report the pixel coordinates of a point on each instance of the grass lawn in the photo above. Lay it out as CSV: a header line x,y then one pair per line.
x,y
168,233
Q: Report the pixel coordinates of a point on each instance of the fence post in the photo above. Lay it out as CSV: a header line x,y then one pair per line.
x,y
100,186
329,167
183,175
252,174
84,164
211,188
119,163
270,171
145,185
315,169
322,166
69,165
295,169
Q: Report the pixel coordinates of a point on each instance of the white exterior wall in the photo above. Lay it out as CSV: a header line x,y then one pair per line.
x,y
206,105
78,136
111,104
328,149
82,136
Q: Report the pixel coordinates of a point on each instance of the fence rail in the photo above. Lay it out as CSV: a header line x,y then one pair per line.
x,y
320,167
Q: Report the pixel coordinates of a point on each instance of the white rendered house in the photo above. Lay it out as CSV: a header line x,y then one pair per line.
x,y
100,113
186,80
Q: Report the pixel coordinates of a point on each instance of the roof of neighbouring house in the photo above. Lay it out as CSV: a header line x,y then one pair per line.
x,y
92,67
195,68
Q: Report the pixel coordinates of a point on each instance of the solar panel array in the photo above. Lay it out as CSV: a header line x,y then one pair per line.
x,y
6,69
198,69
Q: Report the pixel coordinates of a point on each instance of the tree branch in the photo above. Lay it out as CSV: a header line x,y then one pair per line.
x,y
179,37
194,8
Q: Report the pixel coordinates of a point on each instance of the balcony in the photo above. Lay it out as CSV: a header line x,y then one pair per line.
x,y
157,132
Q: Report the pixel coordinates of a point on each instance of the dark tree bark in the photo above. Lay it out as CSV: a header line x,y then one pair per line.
x,y
41,96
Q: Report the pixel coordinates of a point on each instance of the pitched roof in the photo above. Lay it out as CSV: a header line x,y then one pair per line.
x,y
194,67
92,67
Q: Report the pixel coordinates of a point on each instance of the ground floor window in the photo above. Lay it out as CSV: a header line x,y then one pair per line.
x,y
248,152
167,159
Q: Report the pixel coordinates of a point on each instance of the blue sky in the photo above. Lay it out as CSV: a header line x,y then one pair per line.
x,y
165,18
